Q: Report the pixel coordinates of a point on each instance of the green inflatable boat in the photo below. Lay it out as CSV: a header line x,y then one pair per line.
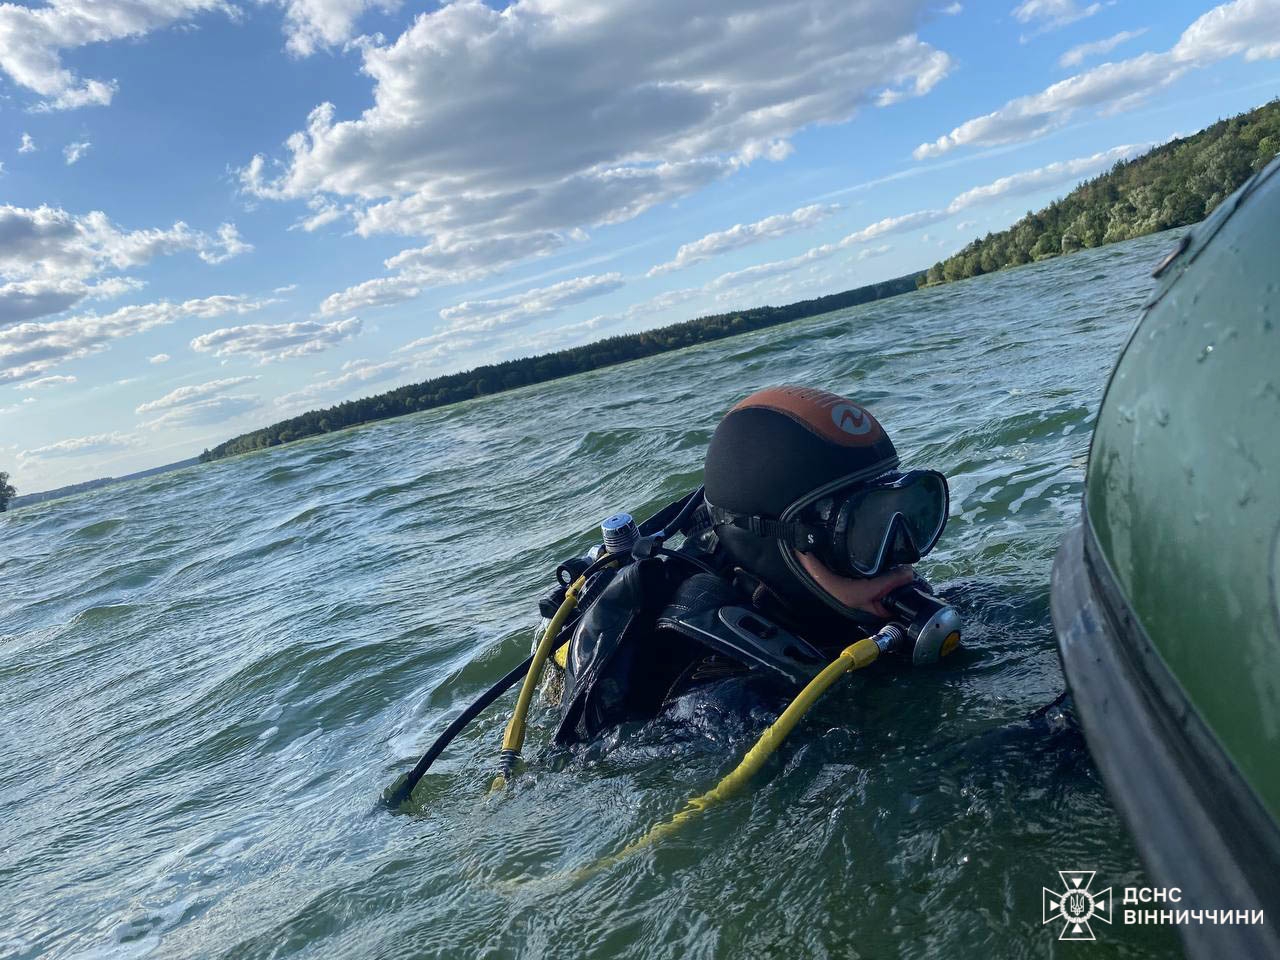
x,y
1166,596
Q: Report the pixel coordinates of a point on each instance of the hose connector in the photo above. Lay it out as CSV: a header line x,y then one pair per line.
x,y
506,766
891,638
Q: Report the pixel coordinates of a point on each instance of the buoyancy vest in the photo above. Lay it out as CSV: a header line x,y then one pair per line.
x,y
655,631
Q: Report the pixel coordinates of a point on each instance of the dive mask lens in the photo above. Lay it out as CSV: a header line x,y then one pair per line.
x,y
894,522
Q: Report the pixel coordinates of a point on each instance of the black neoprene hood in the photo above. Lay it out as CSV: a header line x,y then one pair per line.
x,y
776,452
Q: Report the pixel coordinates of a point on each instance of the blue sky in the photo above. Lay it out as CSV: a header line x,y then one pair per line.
x,y
218,213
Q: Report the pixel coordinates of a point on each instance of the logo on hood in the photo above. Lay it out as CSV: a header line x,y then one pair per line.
x,y
852,419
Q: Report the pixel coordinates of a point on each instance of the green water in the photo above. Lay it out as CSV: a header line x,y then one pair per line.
x,y
206,678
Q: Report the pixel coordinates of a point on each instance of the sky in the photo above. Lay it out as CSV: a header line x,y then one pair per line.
x,y
215,214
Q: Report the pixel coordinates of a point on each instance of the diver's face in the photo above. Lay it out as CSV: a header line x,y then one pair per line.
x,y
859,594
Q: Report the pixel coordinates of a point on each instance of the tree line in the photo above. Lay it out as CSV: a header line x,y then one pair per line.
x,y
1174,185
7,491
496,377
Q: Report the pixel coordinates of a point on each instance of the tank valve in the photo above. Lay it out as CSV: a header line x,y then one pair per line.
x,y
620,533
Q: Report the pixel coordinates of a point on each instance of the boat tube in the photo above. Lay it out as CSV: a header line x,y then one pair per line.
x,y
1166,596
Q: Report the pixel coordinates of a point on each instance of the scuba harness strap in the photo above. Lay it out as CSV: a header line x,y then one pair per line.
x,y
709,612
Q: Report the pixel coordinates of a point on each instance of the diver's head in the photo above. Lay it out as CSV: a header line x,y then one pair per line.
x,y
804,489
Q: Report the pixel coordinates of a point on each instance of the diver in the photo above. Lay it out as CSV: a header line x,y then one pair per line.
x,y
794,568
802,533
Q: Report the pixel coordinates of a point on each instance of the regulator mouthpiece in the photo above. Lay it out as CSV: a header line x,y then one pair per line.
x,y
930,627
620,533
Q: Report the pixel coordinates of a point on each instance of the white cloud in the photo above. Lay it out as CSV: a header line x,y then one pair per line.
x,y
638,315
743,235
312,25
1246,27
81,447
475,315
159,358
761,271
228,245
812,256
570,335
185,396
1078,54
74,151
379,292
325,214
32,39
507,123
28,145
953,9
495,321
205,412
279,341
353,372
50,259
1063,171
870,252
287,288
917,81
664,301
28,350
1051,14
199,404
445,260
899,224
45,382
1250,28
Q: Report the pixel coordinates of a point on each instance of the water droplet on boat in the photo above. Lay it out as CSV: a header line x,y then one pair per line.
x,y
1204,354
1162,417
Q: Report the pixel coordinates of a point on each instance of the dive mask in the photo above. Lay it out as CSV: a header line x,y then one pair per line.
x,y
864,530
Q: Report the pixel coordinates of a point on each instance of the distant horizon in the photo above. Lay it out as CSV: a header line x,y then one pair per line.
x,y
105,479
196,456
218,216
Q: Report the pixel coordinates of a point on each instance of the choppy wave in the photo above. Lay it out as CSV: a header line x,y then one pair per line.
x,y
207,678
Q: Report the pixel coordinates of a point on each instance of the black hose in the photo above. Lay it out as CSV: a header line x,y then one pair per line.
x,y
400,791
602,562
687,558
681,518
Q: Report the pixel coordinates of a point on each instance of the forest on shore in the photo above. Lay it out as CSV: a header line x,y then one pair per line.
x,y
1174,185
496,377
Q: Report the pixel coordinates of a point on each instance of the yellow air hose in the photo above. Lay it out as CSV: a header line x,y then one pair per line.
x,y
513,739
853,657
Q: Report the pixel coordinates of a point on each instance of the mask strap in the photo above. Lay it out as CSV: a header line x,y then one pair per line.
x,y
798,536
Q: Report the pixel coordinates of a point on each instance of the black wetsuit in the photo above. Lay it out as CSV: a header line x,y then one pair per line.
x,y
661,627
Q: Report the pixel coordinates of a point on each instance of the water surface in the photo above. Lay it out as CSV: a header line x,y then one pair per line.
x,y
207,677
